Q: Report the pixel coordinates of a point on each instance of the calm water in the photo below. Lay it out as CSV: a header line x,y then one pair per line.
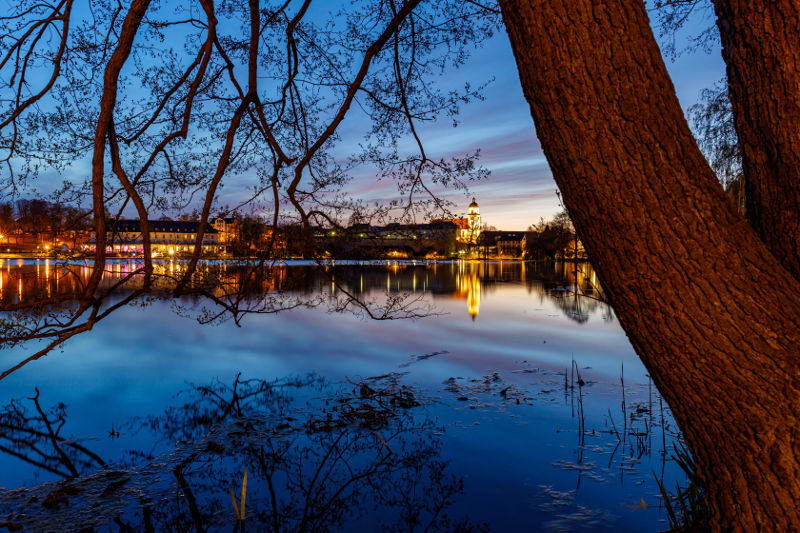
x,y
499,406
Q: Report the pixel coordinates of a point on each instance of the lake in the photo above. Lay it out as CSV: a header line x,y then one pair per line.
x,y
470,396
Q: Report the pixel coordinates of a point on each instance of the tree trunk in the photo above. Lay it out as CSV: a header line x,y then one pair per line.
x,y
130,26
710,311
761,47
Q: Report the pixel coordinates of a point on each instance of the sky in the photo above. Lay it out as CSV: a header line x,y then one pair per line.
x,y
520,189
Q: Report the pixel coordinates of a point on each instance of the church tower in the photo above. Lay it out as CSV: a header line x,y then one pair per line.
x,y
474,221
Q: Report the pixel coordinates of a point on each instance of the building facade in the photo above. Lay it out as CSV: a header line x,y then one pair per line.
x,y
474,221
167,237
502,243
469,227
227,231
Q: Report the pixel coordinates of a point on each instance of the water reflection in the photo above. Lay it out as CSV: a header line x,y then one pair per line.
x,y
573,286
345,457
368,455
524,422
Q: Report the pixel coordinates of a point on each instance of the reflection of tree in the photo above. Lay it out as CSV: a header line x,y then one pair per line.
x,y
36,439
313,464
573,304
232,291
43,305
582,296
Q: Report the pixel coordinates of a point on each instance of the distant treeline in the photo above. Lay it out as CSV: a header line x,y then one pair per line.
x,y
554,238
24,223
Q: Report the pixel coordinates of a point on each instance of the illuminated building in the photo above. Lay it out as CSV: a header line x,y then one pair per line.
x,y
503,243
167,237
474,222
228,231
573,250
469,227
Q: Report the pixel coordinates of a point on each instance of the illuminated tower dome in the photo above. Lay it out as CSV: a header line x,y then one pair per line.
x,y
474,220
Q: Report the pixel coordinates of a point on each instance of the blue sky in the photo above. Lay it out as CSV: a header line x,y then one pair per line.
x,y
520,189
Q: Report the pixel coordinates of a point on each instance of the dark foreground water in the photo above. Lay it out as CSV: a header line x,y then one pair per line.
x,y
508,402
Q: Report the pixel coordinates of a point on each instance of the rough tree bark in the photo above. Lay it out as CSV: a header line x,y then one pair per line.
x,y
761,47
711,312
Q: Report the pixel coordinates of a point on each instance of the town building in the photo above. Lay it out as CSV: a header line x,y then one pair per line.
x,y
502,243
474,223
573,250
167,237
469,227
228,231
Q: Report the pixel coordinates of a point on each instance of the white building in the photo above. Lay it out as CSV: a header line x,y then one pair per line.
x,y
167,237
469,227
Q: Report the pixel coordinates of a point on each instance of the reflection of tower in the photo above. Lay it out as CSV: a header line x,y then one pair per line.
x,y
474,296
474,221
469,284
